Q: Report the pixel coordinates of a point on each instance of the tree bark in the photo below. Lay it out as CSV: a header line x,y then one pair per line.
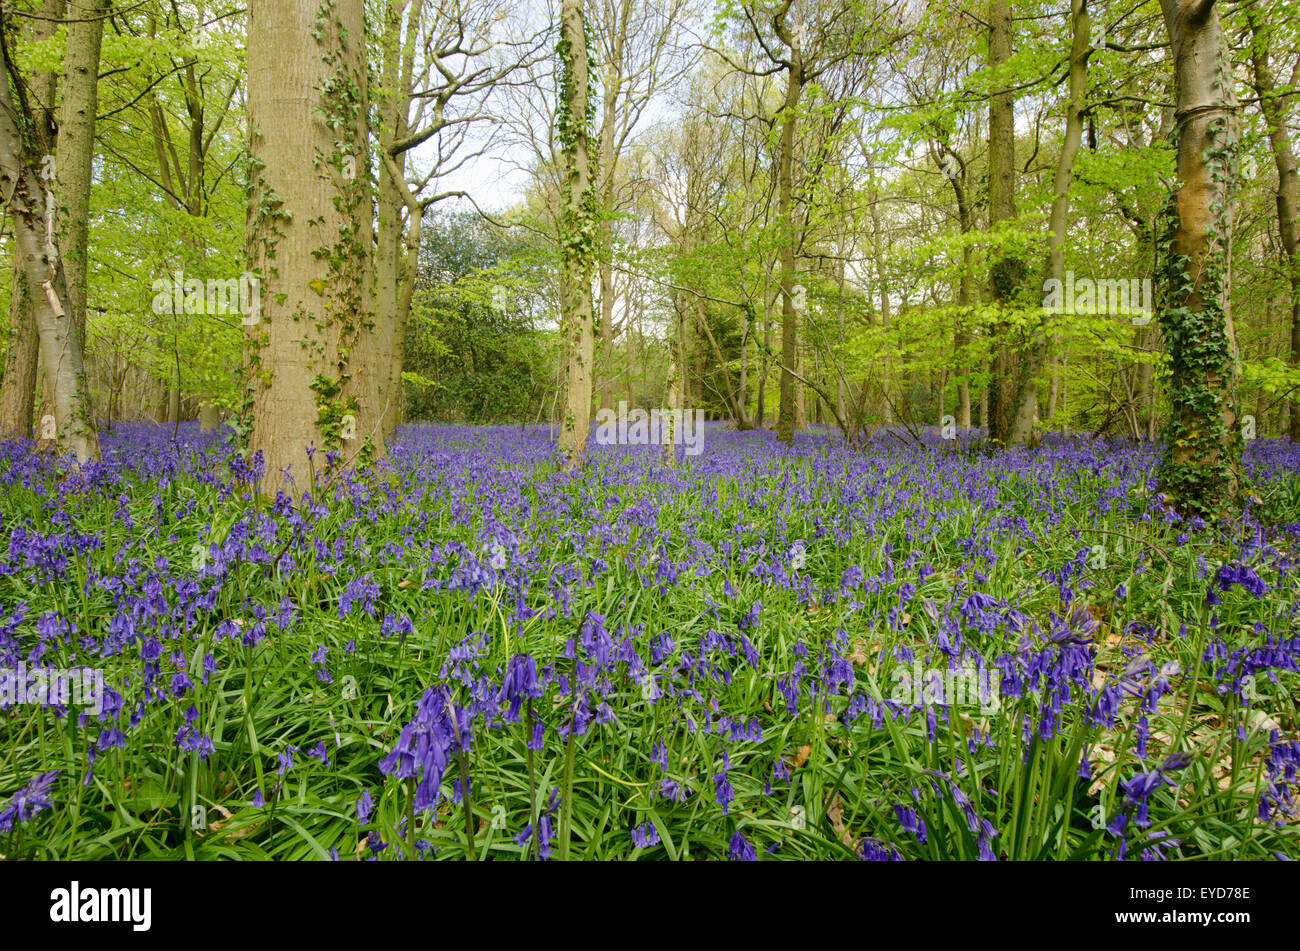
x,y
787,413
1007,273
886,312
578,233
77,148
18,389
311,379
394,275
1274,108
1058,217
613,78
32,216
961,335
1200,469
22,354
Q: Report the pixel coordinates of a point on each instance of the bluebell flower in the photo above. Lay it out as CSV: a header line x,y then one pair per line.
x,y
645,835
365,805
739,849
28,801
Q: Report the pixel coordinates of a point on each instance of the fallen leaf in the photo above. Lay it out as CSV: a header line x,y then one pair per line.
x,y
835,813
800,757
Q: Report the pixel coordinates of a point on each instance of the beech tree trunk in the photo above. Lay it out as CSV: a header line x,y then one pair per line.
x,y
578,233
607,182
32,216
787,415
1058,217
1007,273
396,246
961,336
77,148
18,387
1199,471
1275,112
310,364
22,352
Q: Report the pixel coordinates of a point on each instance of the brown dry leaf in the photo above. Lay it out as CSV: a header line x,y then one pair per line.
x,y
242,832
1104,754
404,583
835,813
970,724
1261,722
217,825
859,655
1161,741
906,618
799,758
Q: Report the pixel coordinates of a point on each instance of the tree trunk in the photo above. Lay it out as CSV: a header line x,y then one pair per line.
x,y
311,379
396,396
1080,50
886,310
961,336
388,280
18,385
606,263
787,418
760,411
1274,108
77,148
1007,273
1203,440
18,392
209,418
742,399
393,277
800,396
578,230
32,214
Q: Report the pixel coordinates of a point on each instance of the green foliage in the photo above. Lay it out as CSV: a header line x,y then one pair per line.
x,y
475,341
267,705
